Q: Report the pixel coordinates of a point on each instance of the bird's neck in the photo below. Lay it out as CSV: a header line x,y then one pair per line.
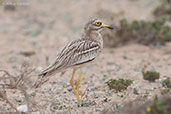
x,y
93,35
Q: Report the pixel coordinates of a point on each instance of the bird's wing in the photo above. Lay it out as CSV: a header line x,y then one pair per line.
x,y
77,52
87,51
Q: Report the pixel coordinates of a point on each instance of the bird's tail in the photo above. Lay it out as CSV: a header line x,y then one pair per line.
x,y
43,77
40,80
49,71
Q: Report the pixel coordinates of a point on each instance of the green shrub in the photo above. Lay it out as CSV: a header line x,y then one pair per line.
x,y
162,106
144,32
150,75
119,85
167,83
163,10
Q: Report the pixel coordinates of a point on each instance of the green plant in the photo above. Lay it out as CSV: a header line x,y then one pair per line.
x,y
164,91
163,10
150,75
119,85
167,83
161,106
153,32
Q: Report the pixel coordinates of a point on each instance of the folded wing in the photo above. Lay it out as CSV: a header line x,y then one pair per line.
x,y
77,52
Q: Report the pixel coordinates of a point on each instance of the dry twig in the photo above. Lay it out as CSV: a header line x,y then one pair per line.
x,y
17,82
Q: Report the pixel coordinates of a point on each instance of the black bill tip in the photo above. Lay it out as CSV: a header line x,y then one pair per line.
x,y
110,27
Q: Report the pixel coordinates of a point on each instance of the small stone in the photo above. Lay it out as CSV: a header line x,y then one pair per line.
x,y
33,94
39,68
22,108
69,89
105,100
59,89
68,84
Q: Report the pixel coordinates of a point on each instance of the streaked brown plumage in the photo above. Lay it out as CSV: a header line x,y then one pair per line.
x,y
74,55
79,52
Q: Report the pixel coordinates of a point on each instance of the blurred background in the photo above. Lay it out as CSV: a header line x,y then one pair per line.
x,y
36,30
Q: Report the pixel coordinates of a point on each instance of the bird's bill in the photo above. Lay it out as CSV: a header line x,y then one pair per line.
x,y
107,26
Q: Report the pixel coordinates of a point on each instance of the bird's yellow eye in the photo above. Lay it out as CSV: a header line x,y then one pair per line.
x,y
98,23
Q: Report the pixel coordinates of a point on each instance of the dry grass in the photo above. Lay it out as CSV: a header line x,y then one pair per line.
x,y
20,82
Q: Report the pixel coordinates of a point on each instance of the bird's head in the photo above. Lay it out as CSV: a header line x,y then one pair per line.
x,y
95,25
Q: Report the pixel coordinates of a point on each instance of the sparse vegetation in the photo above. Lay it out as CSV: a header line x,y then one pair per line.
x,y
162,106
167,83
164,91
144,32
20,82
163,10
150,75
119,85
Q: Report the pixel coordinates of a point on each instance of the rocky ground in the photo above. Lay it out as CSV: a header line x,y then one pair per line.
x,y
41,28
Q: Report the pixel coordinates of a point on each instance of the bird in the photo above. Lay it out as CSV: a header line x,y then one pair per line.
x,y
79,53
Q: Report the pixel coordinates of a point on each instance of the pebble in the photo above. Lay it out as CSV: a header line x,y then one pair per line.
x,y
22,108
59,89
39,68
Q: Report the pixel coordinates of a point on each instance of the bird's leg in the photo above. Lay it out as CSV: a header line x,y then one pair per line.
x,y
78,82
72,84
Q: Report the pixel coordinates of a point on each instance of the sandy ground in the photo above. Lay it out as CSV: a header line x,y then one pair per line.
x,y
44,27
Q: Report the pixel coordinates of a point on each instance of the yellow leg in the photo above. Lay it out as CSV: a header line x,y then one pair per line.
x,y
78,82
72,82
72,85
